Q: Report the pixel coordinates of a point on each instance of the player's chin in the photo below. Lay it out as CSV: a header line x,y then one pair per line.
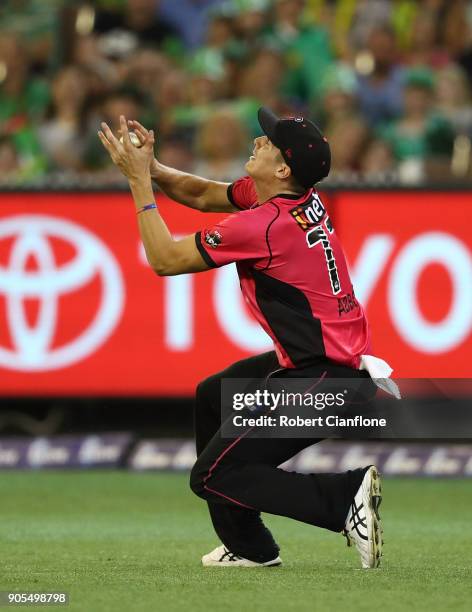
x,y
249,164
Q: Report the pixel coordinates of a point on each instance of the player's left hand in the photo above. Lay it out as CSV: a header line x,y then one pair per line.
x,y
133,162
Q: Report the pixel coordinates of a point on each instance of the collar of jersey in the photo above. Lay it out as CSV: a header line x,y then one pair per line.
x,y
290,196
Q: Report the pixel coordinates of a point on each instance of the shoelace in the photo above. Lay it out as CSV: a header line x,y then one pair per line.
x,y
348,538
228,554
356,520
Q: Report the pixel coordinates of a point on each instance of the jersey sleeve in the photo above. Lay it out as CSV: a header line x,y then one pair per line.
x,y
242,193
236,238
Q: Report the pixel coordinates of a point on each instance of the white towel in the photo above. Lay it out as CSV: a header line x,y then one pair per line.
x,y
380,371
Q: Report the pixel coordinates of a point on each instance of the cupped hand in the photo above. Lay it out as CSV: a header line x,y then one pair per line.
x,y
133,162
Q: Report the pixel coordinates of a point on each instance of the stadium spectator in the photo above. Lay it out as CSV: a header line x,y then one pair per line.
x,y
250,20
139,18
380,84
365,17
421,134
424,50
199,100
338,95
261,80
220,31
36,23
103,73
144,72
61,135
377,163
169,98
221,146
464,58
189,17
176,153
347,138
21,94
453,98
23,100
9,163
346,130
306,48
454,21
287,19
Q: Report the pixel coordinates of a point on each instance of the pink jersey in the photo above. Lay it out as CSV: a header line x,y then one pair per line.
x,y
293,275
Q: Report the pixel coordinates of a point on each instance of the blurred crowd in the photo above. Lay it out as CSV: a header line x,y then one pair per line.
x,y
389,82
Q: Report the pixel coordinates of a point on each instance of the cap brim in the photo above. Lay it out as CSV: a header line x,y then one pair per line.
x,y
268,122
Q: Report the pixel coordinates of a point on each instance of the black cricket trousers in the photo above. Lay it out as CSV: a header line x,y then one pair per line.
x,y
239,478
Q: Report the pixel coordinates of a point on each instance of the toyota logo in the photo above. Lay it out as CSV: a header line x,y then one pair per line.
x,y
33,347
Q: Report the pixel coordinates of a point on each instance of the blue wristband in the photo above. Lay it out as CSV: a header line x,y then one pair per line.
x,y
147,207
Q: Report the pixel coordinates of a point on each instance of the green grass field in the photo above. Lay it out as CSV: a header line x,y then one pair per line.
x,y
119,541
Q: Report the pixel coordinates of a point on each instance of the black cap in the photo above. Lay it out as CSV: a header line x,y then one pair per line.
x,y
303,147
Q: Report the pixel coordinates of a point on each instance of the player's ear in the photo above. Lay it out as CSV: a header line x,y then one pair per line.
x,y
283,171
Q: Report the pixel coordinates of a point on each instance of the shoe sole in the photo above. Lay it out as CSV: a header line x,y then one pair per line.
x,y
274,563
375,499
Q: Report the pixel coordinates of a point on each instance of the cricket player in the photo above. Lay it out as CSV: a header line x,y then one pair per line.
x,y
295,280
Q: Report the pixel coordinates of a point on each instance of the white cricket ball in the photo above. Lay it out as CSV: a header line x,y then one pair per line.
x,y
134,140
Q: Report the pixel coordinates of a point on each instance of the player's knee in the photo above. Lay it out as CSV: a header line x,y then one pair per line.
x,y
197,480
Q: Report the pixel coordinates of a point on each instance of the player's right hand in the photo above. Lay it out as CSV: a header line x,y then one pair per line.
x,y
134,162
143,134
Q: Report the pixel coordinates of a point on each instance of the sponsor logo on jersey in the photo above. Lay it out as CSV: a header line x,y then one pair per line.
x,y
213,238
310,213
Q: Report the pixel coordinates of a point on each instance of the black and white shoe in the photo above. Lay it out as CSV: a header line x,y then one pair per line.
x,y
363,527
222,557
